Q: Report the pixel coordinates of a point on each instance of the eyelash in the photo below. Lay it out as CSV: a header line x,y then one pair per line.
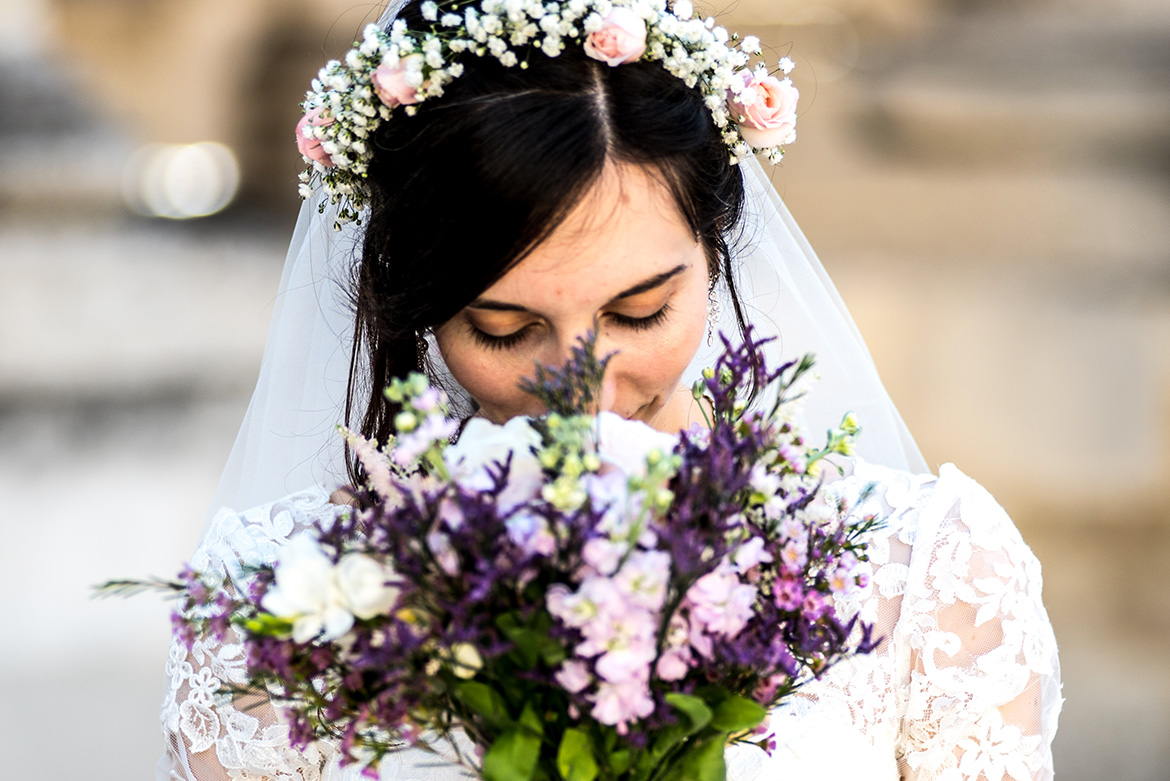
x,y
511,340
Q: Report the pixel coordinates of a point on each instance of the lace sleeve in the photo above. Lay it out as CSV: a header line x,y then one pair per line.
x,y
212,736
982,688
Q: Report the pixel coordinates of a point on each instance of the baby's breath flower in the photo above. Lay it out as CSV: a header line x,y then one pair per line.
x,y
694,50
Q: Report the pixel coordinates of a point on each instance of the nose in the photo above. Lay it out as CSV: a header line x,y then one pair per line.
x,y
605,398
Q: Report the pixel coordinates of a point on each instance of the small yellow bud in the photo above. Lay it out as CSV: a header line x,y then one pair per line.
x,y
850,424
465,660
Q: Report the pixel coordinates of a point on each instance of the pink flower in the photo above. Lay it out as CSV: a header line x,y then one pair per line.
x,y
399,85
531,534
721,604
621,39
578,609
616,626
308,145
603,555
815,606
644,578
788,593
750,554
573,675
672,665
620,703
445,555
628,664
765,108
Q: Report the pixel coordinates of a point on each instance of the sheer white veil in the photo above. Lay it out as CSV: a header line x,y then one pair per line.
x,y
287,440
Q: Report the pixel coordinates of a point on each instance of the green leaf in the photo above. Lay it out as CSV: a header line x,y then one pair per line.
x,y
485,702
693,708
268,625
695,716
664,743
703,761
575,761
526,645
513,755
737,713
530,719
619,761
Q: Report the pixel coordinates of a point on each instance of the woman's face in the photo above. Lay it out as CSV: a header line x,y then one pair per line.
x,y
625,264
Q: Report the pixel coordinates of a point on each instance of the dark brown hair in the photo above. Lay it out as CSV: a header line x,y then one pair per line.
x,y
463,190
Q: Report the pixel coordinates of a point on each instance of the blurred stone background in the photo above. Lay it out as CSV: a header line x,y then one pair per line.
x,y
987,181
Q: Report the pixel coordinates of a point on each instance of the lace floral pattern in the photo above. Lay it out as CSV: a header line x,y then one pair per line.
x,y
965,684
213,735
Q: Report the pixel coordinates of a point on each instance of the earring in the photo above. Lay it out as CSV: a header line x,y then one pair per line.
x,y
422,345
713,310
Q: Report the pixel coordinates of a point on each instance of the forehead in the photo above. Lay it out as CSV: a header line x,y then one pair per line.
x,y
626,229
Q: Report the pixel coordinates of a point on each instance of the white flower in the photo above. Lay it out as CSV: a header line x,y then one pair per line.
x,y
484,446
684,9
429,10
626,444
306,592
366,585
786,65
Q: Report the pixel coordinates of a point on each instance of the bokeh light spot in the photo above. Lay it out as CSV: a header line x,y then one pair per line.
x,y
181,181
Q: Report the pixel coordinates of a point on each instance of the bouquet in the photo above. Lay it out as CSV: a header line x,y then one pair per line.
x,y
580,595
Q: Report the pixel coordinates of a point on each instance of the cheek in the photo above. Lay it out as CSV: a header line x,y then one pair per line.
x,y
651,364
492,378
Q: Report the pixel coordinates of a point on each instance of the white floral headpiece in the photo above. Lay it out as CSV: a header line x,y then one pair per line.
x,y
395,70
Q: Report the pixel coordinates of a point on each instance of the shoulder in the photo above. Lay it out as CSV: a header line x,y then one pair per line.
x,y
971,648
930,512
252,535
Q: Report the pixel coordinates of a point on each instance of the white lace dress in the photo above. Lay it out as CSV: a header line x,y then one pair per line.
x,y
965,686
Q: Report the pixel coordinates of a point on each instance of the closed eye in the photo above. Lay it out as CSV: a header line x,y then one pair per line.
x,y
505,342
508,341
641,323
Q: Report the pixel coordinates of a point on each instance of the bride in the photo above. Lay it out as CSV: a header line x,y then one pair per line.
x,y
528,174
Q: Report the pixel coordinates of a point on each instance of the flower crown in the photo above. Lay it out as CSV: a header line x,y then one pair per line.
x,y
395,70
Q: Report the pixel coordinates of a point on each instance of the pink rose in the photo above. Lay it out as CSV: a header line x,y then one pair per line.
x,y
311,147
391,83
768,108
621,39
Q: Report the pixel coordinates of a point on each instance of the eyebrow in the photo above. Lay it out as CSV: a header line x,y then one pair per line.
x,y
645,286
